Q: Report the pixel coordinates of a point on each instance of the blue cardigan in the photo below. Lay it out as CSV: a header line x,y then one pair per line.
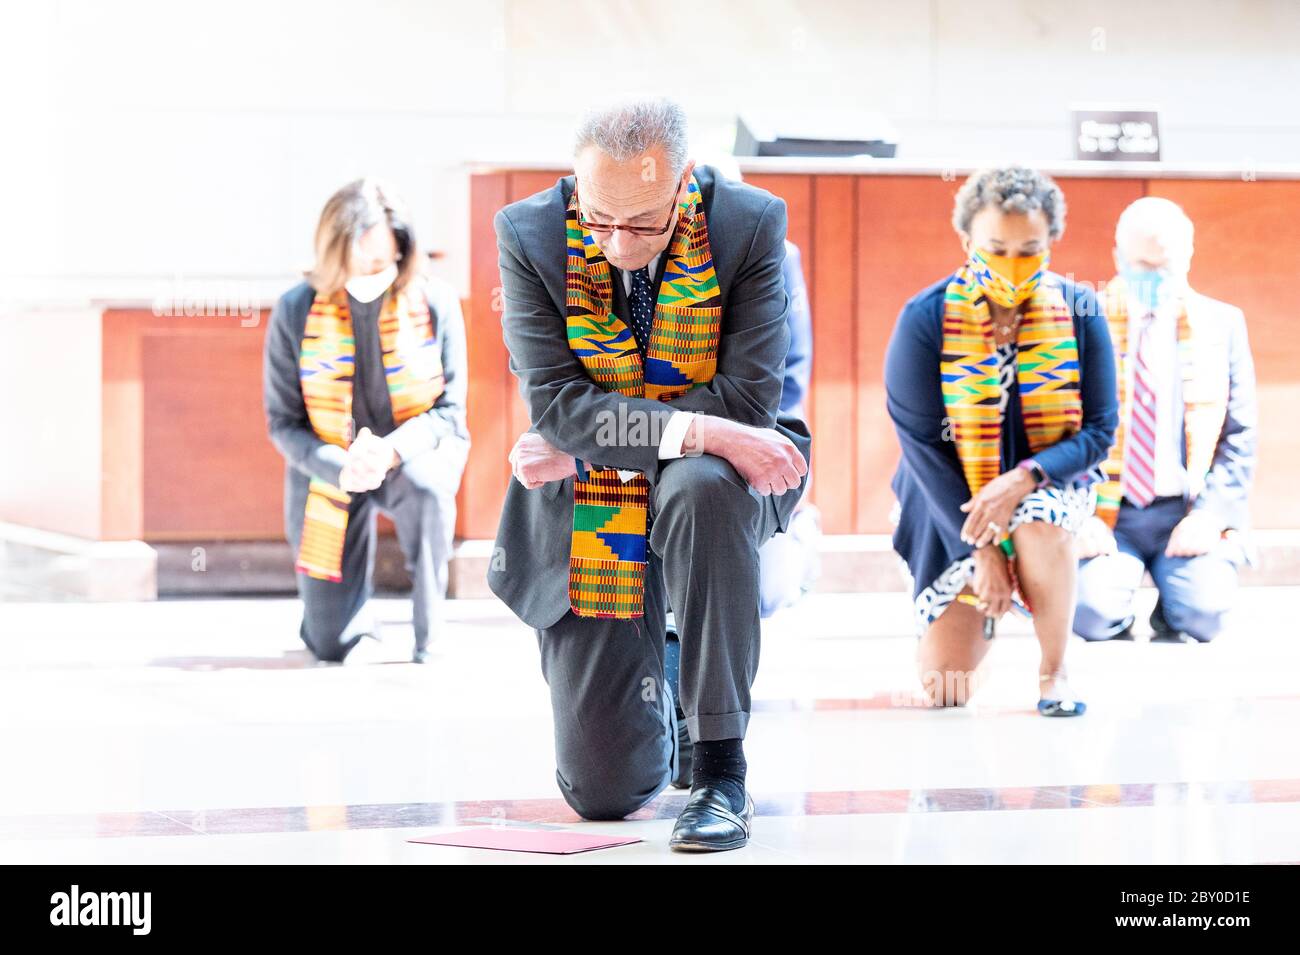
x,y
929,483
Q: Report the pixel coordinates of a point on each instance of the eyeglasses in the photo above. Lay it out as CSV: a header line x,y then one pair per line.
x,y
600,228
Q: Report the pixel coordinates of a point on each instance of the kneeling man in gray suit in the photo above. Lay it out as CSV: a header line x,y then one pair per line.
x,y
1183,462
645,315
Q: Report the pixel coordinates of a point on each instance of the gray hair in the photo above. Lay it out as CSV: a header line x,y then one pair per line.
x,y
1012,189
627,130
1155,215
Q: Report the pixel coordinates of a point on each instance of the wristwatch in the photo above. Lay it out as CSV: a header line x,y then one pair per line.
x,y
1035,469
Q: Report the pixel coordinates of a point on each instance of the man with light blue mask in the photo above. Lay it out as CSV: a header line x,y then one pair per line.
x,y
1179,473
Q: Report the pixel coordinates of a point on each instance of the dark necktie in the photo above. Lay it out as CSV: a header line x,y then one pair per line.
x,y
640,302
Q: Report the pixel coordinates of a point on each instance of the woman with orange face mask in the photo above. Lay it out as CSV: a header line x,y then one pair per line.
x,y
1001,386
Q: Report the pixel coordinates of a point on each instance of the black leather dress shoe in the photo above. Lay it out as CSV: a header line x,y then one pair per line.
x,y
1161,632
685,753
707,824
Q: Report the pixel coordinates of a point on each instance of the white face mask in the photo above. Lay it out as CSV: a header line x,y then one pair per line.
x,y
367,288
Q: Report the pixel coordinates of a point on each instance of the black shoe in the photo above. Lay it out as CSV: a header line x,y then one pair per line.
x,y
1058,700
685,752
1161,632
1127,632
707,824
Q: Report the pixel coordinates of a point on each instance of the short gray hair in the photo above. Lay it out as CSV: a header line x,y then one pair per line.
x,y
1014,189
1155,215
628,129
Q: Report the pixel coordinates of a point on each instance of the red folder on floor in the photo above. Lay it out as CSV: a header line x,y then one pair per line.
x,y
513,839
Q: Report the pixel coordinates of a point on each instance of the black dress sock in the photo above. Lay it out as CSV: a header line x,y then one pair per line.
x,y
721,763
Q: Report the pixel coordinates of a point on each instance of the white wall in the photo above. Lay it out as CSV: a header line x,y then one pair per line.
x,y
158,147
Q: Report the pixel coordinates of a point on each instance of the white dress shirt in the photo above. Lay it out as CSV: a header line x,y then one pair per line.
x,y
652,266
1167,379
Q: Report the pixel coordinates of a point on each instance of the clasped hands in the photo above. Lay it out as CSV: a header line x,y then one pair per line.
x,y
993,585
1196,534
988,513
370,458
767,460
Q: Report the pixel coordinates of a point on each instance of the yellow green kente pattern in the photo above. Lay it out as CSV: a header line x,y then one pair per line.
x,y
1205,398
1047,370
326,363
608,547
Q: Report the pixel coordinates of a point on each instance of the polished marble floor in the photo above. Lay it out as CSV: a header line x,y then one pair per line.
x,y
201,731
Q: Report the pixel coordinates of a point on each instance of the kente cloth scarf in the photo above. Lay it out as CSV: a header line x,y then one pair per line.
x,y
1205,396
607,551
1047,369
326,362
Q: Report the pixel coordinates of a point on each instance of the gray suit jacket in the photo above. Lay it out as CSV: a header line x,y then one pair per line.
x,y
530,564
1227,486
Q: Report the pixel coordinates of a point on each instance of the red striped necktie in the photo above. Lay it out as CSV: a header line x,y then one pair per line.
x,y
1140,448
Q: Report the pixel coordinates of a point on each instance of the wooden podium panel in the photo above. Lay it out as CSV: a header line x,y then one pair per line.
x,y
159,433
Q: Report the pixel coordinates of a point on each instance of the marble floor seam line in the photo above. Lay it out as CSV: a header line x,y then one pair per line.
x,y
552,813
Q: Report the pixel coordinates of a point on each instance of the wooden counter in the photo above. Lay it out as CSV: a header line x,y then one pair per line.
x,y
153,428
874,232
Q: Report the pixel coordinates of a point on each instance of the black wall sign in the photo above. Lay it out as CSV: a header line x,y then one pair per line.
x,y
1118,134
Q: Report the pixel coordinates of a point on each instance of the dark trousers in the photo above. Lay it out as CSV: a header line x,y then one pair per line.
x,y
1196,593
420,499
615,728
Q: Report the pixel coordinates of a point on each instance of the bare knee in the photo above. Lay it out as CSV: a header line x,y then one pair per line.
x,y
947,675
949,656
948,683
1042,535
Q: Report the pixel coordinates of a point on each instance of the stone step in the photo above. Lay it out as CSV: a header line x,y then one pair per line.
x,y
41,565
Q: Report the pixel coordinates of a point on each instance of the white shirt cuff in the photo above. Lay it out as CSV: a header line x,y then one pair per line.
x,y
670,444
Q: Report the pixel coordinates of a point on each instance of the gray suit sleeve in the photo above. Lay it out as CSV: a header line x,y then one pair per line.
x,y
286,414
567,408
1228,483
578,417
447,416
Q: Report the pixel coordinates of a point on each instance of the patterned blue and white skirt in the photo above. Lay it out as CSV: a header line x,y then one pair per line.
x,y
1066,507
